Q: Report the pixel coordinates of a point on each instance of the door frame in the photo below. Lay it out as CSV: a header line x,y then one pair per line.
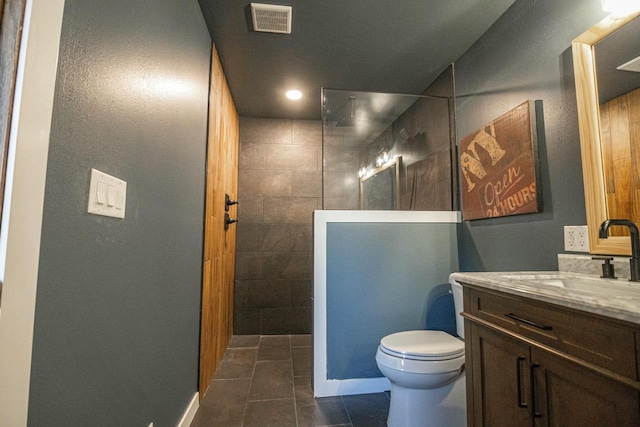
x,y
24,199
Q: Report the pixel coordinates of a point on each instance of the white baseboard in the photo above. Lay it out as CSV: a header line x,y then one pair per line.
x,y
190,412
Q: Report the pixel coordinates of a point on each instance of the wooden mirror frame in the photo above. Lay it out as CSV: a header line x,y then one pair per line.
x,y
590,141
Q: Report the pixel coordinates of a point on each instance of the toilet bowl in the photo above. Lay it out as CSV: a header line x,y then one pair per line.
x,y
426,372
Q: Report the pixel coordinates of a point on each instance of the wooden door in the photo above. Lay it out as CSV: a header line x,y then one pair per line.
x,y
567,394
500,379
219,244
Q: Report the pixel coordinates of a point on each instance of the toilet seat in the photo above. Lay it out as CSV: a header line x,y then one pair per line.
x,y
422,346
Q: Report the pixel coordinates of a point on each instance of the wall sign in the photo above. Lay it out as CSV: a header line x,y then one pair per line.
x,y
498,164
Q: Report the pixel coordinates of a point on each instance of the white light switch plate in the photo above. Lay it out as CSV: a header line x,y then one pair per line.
x,y
107,195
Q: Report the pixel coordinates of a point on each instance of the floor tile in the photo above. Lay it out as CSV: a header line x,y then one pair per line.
x,y
265,381
244,341
301,358
270,413
272,380
367,409
223,403
326,411
274,347
302,340
237,363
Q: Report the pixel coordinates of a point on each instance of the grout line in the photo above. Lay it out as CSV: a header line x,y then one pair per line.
x,y
293,382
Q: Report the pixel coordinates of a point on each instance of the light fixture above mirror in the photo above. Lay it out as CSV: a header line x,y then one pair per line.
x,y
620,7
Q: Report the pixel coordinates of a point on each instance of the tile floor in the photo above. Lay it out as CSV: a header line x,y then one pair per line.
x,y
265,381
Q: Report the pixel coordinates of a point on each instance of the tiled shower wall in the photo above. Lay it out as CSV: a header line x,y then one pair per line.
x,y
279,187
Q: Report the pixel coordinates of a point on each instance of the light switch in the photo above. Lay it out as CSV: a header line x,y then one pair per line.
x,y
107,195
111,199
102,193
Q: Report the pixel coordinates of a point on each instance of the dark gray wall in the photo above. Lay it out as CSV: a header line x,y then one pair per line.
x,y
118,301
525,55
279,187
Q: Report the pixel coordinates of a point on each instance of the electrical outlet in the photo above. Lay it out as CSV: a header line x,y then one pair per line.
x,y
576,238
569,238
582,239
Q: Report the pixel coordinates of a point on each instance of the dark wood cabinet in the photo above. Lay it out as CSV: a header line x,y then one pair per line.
x,y
526,367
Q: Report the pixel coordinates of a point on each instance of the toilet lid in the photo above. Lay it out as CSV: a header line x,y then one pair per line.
x,y
422,345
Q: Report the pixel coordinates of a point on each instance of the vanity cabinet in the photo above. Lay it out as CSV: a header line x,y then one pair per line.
x,y
531,363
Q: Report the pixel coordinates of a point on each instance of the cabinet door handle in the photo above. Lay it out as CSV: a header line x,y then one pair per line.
x,y
529,322
519,361
534,408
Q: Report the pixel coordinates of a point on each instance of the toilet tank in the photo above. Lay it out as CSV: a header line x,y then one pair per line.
x,y
456,289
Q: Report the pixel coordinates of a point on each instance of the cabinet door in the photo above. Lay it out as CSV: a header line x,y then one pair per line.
x,y
500,380
567,394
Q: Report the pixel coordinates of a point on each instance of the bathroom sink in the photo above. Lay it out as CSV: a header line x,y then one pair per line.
x,y
612,288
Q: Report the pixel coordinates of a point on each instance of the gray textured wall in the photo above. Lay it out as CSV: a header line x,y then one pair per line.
x,y
117,313
525,55
279,187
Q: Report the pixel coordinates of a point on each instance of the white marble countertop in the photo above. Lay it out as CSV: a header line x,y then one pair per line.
x,y
618,299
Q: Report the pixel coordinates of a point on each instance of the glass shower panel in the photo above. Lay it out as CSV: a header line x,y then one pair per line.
x,y
385,151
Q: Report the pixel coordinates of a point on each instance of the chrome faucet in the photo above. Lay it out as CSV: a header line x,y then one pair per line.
x,y
634,262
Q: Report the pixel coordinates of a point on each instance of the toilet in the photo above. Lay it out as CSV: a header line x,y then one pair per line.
x,y
426,372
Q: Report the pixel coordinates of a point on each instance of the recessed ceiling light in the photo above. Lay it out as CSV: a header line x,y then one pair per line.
x,y
294,94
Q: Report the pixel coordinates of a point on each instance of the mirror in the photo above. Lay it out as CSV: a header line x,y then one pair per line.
x,y
379,188
596,137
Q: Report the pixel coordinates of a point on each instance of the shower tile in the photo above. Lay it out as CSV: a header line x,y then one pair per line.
x,y
248,265
306,184
289,210
286,265
287,237
301,293
265,131
352,203
247,321
250,210
264,183
306,132
250,237
251,156
291,157
295,320
263,293
342,159
341,185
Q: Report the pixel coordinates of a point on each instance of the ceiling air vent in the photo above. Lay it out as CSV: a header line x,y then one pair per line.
x,y
271,18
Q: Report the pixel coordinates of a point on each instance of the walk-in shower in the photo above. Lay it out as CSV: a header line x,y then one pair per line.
x,y
388,151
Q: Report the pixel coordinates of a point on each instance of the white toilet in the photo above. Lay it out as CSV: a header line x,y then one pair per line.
x,y
426,372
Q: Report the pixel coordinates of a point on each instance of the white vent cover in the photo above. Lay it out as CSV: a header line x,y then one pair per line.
x,y
271,18
633,65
